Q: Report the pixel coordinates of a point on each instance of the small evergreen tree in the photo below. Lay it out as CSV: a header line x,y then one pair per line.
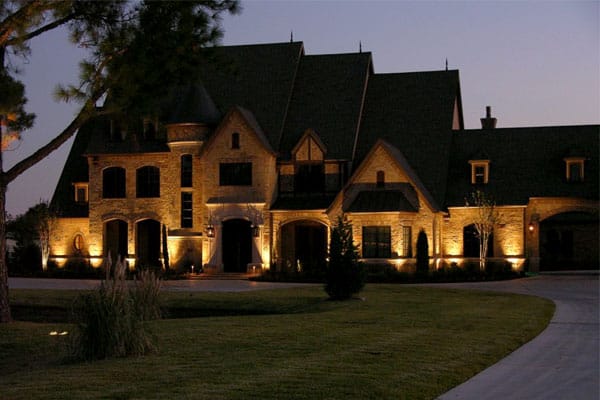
x,y
422,254
345,274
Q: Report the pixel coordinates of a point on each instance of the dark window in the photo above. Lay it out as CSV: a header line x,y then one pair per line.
x,y
380,179
186,210
576,172
235,174
376,242
310,178
148,182
113,183
406,241
480,174
235,140
186,170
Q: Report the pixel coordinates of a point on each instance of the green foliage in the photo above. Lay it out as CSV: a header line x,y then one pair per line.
x,y
110,321
422,255
345,274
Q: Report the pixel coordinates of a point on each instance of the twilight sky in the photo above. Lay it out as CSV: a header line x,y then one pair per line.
x,y
535,62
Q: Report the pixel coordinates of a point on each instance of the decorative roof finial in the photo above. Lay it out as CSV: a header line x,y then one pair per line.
x,y
359,46
446,64
291,36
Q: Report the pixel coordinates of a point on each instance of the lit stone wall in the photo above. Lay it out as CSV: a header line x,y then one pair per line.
x,y
62,240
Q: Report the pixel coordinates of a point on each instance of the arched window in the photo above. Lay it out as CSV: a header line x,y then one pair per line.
x,y
186,170
147,182
78,243
113,183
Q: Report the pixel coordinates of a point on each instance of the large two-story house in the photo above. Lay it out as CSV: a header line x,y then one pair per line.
x,y
251,168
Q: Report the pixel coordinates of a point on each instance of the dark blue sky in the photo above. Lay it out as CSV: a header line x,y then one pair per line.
x,y
535,62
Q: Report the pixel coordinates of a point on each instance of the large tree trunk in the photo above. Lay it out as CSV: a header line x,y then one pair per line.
x,y
5,315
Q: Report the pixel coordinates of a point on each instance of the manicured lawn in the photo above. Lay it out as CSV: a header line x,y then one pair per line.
x,y
397,343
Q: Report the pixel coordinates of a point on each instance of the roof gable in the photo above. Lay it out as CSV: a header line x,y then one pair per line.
x,y
309,147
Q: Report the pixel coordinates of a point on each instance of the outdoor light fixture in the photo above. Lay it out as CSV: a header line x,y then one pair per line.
x,y
210,231
255,231
531,227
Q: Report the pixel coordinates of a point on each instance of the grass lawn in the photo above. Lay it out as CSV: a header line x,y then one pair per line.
x,y
397,342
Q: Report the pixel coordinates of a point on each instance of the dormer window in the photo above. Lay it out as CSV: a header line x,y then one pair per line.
x,y
81,192
574,169
480,171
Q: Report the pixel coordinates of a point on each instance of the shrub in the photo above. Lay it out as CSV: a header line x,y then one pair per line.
x,y
422,255
110,320
345,275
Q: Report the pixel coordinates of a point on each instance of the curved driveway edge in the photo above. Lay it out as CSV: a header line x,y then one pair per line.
x,y
560,363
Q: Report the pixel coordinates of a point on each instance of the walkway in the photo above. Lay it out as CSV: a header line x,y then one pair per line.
x,y
562,362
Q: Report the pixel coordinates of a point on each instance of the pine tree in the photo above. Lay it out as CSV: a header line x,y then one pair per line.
x,y
345,274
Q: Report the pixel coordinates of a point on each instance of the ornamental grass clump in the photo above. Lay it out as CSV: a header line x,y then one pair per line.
x,y
110,321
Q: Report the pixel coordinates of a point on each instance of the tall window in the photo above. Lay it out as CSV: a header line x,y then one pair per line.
x,y
309,178
235,174
376,242
186,210
380,179
186,170
113,183
480,172
406,241
81,192
574,169
235,140
147,182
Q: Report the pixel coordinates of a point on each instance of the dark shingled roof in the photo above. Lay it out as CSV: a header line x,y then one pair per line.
x,y
413,112
382,200
524,163
309,202
193,104
75,170
259,78
328,96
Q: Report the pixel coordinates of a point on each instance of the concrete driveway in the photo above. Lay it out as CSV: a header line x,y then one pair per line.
x,y
562,362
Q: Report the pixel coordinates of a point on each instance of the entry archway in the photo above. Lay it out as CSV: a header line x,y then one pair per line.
x,y
115,239
569,240
304,245
237,245
147,243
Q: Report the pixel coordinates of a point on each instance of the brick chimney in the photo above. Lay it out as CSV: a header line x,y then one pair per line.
x,y
488,122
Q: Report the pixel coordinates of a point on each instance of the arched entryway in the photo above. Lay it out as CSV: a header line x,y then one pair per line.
x,y
569,241
304,245
237,245
147,243
115,239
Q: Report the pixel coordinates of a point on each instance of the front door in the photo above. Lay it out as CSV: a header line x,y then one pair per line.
x,y
237,245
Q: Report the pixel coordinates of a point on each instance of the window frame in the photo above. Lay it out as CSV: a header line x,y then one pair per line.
x,y
187,210
377,241
116,189
147,184
575,162
483,177
235,174
186,178
84,186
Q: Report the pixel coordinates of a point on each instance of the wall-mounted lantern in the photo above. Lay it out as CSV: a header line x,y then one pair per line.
x,y
531,227
255,230
210,231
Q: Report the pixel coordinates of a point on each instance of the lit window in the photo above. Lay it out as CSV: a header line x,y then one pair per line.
x,y
574,169
186,210
148,182
376,242
480,172
406,241
81,192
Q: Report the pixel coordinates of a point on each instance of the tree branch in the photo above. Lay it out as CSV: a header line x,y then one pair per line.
x,y
39,31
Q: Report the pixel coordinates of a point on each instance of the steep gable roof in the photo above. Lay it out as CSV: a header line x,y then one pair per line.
x,y
524,163
256,77
328,97
413,112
